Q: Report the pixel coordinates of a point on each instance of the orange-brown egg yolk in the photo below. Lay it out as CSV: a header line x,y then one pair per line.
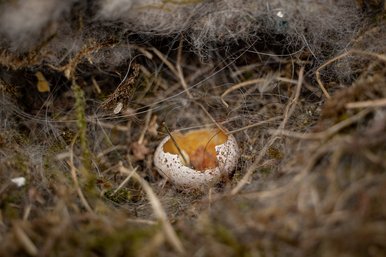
x,y
199,145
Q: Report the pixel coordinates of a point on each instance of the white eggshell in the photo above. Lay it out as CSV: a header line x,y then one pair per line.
x,y
171,167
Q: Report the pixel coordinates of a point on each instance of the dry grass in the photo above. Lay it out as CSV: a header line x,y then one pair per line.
x,y
311,179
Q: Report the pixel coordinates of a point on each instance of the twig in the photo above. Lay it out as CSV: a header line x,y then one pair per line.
x,y
147,121
179,69
142,221
250,82
111,149
324,134
237,86
75,178
288,112
159,212
312,161
165,60
211,117
108,125
366,104
125,181
358,52
254,125
25,241
176,145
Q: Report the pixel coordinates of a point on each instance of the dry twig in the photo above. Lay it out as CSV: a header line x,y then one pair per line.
x,y
288,112
159,212
25,241
248,83
324,134
357,52
367,104
179,70
75,178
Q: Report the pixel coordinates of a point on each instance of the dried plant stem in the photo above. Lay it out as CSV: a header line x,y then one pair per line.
x,y
159,212
248,83
254,125
210,117
237,86
142,221
354,51
299,178
147,121
176,145
75,178
324,134
25,241
165,60
111,149
367,104
287,114
179,70
81,122
125,181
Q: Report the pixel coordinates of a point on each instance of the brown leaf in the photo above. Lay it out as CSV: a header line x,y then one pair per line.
x,y
43,85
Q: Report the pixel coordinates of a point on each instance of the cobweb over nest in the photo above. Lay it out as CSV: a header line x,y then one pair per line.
x,y
206,24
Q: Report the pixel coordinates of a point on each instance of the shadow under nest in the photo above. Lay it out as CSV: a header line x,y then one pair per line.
x,y
310,180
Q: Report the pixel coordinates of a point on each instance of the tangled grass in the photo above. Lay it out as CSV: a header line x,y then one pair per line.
x,y
310,180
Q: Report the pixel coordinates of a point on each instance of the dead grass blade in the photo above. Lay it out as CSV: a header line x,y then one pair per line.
x,y
75,178
165,60
159,212
25,241
354,51
125,181
179,70
248,83
288,112
254,125
328,132
367,104
237,86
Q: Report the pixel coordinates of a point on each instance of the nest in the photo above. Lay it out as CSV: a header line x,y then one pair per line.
x,y
83,100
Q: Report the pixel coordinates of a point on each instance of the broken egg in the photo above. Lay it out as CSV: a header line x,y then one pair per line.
x,y
197,158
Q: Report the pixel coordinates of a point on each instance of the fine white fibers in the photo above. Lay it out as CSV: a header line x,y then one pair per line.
x,y
25,24
211,21
22,22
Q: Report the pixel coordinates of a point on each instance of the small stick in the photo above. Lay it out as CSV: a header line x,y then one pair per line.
x,y
124,181
366,104
179,70
290,107
159,211
353,51
175,143
74,176
251,82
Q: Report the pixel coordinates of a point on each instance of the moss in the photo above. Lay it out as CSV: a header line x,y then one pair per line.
x,y
80,105
123,195
94,240
88,180
265,170
10,202
227,237
19,163
275,153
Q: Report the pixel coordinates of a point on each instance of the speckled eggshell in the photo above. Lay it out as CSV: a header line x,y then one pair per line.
x,y
171,167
